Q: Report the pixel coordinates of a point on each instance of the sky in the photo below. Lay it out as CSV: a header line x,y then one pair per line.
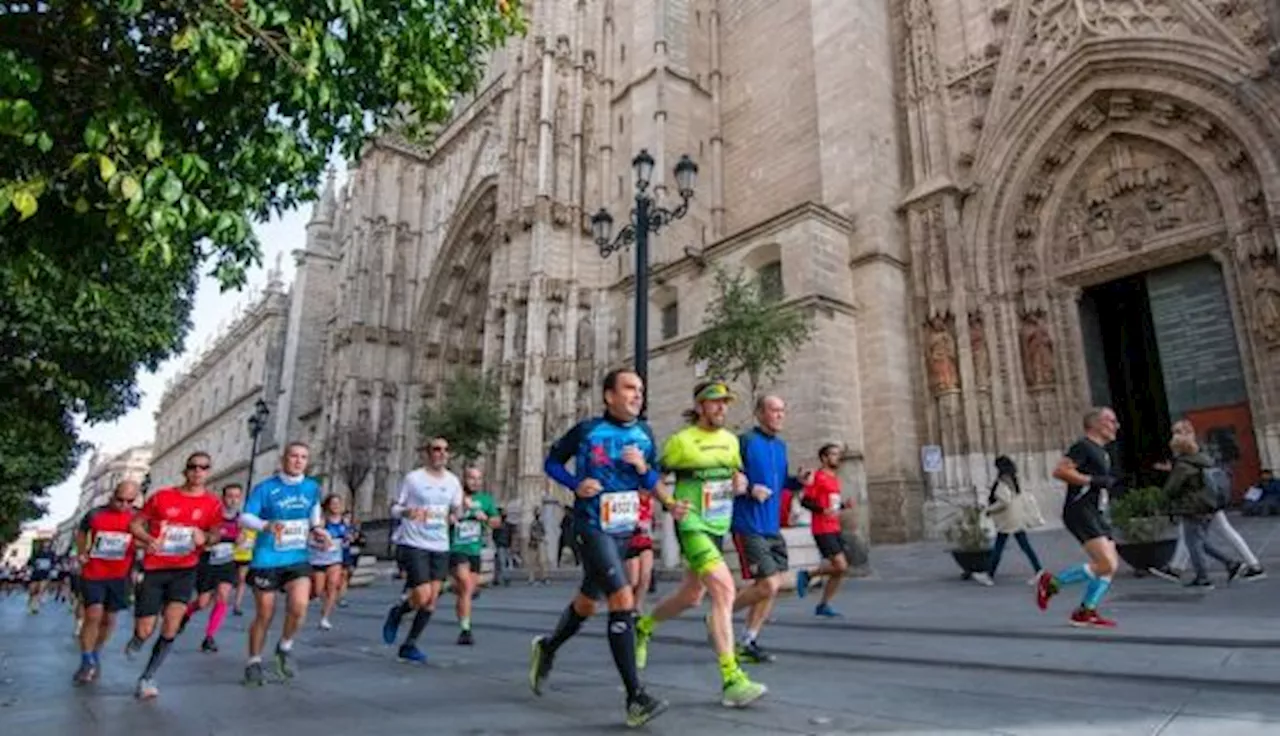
x,y
213,309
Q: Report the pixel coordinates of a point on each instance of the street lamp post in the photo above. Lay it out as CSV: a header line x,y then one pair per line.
x,y
257,423
647,217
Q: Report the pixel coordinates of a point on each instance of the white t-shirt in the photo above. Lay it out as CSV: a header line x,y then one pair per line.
x,y
438,494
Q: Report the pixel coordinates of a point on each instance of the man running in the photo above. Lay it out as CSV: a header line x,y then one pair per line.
x,y
613,461
327,574
172,527
41,566
105,547
285,511
757,521
1086,469
479,512
217,572
707,462
429,501
822,497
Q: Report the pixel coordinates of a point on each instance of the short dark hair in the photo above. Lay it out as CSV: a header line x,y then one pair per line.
x,y
827,448
196,454
610,382
229,486
296,443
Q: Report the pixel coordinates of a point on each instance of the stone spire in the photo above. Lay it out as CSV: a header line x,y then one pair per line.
x,y
327,206
275,277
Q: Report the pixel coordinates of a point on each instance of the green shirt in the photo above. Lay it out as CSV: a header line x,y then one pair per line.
x,y
469,533
704,462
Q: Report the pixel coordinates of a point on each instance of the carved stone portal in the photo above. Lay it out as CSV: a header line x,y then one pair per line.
x,y
1129,192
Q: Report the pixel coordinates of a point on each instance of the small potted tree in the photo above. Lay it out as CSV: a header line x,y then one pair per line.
x,y
970,543
1145,536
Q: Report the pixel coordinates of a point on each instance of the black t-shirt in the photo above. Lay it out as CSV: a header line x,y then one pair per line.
x,y
1090,459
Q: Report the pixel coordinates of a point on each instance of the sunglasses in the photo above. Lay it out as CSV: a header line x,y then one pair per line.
x,y
117,499
194,466
439,448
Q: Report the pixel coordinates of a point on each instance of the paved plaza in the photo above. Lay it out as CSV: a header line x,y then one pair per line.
x,y
920,652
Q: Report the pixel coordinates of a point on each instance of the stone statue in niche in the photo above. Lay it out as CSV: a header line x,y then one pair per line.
x,y
399,275
586,343
551,411
560,124
981,353
940,354
499,332
555,333
1037,350
522,328
1266,298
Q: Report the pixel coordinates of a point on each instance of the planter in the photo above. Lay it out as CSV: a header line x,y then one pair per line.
x,y
1143,556
971,561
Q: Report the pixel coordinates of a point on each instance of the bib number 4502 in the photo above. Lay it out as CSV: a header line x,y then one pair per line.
x,y
619,511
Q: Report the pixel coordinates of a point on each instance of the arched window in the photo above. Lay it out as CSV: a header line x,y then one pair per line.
x,y
766,261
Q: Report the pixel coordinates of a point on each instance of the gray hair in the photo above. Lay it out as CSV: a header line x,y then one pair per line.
x,y
1092,416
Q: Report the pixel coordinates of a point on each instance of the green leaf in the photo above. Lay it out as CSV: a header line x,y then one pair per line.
x,y
106,168
171,189
130,189
95,135
44,142
25,203
154,149
182,40
81,206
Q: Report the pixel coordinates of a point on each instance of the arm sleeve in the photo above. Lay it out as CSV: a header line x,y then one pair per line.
x,y
317,518
252,507
561,452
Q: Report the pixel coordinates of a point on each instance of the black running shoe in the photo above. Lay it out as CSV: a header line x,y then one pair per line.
x,y
253,676
754,653
539,664
1234,570
465,639
209,645
1201,583
644,708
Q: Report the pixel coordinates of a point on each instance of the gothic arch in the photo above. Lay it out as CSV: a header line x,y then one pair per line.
x,y
449,327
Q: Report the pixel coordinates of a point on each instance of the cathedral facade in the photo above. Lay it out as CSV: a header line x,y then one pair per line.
x,y
960,192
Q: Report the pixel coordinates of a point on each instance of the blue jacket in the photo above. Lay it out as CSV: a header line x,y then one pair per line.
x,y
764,459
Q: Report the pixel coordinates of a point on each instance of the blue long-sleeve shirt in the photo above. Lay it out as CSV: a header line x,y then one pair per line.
x,y
595,446
764,460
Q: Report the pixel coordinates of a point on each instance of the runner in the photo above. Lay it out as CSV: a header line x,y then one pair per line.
x,y
217,572
478,513
1086,469
105,548
327,577
757,522
172,526
613,459
351,556
707,462
640,553
243,555
429,500
822,497
41,567
286,507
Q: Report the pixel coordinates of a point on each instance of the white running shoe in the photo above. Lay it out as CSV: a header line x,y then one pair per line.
x,y
981,578
325,625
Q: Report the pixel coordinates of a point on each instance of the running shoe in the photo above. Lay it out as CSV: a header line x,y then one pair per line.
x,y
1046,588
1234,570
1090,619
539,664
982,578
465,639
132,647
209,646
1201,583
237,611
754,653
1254,572
253,676
739,691
824,610
391,627
802,583
644,708
325,625
411,654
147,689
284,663
87,673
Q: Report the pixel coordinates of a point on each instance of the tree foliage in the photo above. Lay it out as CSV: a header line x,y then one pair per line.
x,y
138,141
746,333
356,453
469,414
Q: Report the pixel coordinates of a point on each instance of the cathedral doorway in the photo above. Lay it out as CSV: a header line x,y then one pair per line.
x,y
1162,345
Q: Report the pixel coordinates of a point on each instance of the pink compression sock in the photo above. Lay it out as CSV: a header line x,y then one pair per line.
x,y
215,618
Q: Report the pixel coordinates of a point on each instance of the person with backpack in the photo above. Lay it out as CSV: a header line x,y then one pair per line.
x,y
1196,490
1218,522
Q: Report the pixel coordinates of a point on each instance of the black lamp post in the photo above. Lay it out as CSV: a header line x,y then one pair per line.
x,y
257,423
646,218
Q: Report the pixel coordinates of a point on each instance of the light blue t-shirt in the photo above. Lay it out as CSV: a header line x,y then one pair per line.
x,y
293,507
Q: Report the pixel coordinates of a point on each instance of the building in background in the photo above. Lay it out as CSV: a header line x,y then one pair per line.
x,y
997,213
208,406
17,552
105,472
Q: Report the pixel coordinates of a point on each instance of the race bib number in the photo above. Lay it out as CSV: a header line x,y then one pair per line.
x,y
110,545
221,553
436,524
619,511
717,500
292,535
469,531
834,502
177,540
43,564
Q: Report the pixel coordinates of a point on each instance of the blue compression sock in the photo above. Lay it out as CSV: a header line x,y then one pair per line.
x,y
1093,593
1073,575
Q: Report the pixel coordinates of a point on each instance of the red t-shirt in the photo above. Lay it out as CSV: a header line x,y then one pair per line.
x,y
825,494
171,518
109,543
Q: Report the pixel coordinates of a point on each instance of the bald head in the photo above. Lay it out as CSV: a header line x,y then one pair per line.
x,y
770,412
126,492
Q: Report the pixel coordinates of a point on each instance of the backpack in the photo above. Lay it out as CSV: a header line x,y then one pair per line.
x,y
1217,487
